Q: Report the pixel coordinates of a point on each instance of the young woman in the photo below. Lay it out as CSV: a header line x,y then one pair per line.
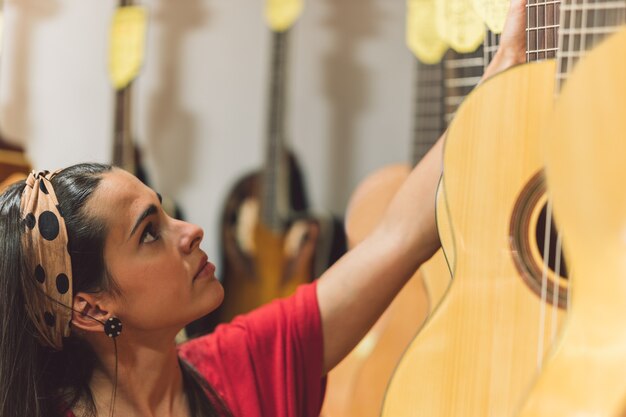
x,y
96,281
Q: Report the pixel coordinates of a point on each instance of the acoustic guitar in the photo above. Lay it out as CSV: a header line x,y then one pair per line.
x,y
14,165
357,385
585,164
271,243
125,153
479,349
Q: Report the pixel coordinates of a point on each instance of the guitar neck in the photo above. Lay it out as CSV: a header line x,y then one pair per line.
x,y
123,147
542,27
582,27
462,73
275,182
429,120
490,47
441,88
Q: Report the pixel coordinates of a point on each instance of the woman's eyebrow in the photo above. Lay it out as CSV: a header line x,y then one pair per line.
x,y
152,209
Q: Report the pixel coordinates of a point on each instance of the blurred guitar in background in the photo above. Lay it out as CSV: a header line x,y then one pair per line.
x,y
14,165
126,55
356,387
271,243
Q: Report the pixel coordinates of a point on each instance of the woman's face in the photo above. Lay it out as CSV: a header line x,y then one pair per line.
x,y
164,277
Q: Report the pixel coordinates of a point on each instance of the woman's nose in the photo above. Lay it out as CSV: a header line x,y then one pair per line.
x,y
191,236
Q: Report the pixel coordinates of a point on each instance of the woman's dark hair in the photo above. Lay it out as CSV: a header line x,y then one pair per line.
x,y
36,381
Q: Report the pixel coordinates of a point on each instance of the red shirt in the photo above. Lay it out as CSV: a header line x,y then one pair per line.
x,y
267,363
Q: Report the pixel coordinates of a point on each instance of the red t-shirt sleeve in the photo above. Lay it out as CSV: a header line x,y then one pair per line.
x,y
268,362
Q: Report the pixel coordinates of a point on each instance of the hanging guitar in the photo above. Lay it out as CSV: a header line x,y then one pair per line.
x,y
14,165
357,384
125,60
585,168
356,387
478,351
270,241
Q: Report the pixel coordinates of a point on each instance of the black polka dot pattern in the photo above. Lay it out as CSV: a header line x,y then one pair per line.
x,y
48,225
40,274
63,283
49,318
113,327
30,221
46,248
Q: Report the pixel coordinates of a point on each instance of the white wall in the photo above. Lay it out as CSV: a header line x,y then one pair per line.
x,y
200,100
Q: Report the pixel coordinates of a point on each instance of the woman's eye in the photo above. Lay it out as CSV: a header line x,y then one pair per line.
x,y
149,234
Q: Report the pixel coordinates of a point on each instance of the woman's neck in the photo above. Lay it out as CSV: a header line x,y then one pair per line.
x,y
149,379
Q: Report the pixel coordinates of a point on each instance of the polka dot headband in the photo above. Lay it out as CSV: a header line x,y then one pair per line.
x,y
49,292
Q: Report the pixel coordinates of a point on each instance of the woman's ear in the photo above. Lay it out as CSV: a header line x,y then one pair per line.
x,y
89,314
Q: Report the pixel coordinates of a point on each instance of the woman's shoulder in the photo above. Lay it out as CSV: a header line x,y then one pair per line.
x,y
264,356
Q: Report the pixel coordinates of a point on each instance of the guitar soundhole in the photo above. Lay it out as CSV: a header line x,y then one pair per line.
x,y
553,251
528,241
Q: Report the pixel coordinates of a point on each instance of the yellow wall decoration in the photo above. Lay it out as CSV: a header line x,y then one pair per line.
x,y
493,13
422,36
459,25
126,44
282,14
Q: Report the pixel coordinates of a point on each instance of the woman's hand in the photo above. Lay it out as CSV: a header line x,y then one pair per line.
x,y
512,48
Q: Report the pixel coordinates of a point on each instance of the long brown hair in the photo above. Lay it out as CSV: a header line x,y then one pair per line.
x,y
36,381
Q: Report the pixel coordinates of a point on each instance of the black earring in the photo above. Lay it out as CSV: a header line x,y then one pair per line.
x,y
113,327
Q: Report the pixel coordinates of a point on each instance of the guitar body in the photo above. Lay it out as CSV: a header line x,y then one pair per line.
x,y
260,265
479,349
13,165
584,375
444,229
357,385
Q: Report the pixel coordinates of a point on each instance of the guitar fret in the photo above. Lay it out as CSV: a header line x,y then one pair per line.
x,y
464,63
542,28
462,82
454,100
528,5
617,5
601,30
531,51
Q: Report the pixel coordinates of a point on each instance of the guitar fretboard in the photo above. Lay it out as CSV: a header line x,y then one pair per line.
x,y
462,73
274,192
123,147
490,47
542,26
429,122
584,24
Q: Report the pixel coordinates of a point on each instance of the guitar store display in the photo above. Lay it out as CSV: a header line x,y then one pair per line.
x,y
520,314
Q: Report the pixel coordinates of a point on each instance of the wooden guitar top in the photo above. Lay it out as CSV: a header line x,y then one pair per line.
x,y
586,168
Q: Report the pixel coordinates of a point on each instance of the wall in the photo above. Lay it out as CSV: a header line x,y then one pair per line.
x,y
201,97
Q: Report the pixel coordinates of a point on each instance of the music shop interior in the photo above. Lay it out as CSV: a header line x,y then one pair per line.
x,y
417,191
